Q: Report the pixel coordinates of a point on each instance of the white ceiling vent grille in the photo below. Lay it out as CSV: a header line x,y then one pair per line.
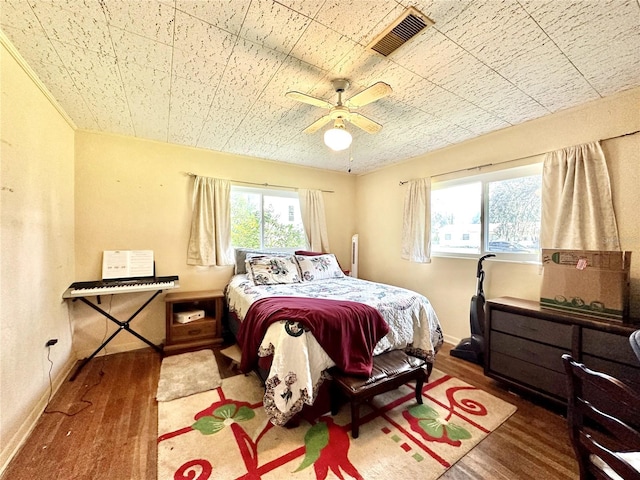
x,y
407,26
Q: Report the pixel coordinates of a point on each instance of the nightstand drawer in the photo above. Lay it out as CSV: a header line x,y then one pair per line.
x,y
192,330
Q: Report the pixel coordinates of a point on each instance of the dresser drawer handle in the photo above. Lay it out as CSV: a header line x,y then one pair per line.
x,y
531,329
194,332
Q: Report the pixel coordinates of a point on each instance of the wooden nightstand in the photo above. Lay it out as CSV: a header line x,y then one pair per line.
x,y
197,334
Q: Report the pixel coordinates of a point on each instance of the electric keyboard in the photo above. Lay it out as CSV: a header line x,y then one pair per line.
x,y
106,287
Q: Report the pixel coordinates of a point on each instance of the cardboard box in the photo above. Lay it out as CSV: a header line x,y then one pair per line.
x,y
587,282
190,316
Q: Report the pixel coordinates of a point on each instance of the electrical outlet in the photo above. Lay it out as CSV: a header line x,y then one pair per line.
x,y
51,342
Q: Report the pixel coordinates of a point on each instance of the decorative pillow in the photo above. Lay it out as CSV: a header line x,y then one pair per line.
x,y
243,253
307,253
319,267
271,270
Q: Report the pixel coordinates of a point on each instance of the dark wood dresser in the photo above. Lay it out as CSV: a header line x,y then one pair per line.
x,y
524,344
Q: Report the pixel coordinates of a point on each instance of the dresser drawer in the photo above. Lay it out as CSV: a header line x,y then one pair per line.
x,y
544,355
625,373
608,345
551,333
529,375
193,330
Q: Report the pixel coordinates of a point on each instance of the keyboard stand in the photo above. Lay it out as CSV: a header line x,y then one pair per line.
x,y
121,325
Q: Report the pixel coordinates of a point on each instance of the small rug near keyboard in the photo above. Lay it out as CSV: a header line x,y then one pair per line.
x,y
224,434
187,374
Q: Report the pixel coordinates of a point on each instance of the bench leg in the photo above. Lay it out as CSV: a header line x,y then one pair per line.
x,y
419,383
355,419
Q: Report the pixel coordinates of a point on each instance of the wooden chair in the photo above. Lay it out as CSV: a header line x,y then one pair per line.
x,y
604,424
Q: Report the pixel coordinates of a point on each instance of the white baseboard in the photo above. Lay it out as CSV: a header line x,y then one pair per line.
x,y
451,340
30,421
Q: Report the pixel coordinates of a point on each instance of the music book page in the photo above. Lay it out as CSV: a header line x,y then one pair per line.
x,y
127,264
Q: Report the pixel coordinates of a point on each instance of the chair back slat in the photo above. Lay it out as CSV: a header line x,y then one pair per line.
x,y
603,415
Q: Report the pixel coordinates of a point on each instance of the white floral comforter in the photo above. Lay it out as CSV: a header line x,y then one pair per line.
x,y
299,362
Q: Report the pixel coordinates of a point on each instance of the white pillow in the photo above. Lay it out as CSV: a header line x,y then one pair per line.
x,y
264,270
319,267
241,255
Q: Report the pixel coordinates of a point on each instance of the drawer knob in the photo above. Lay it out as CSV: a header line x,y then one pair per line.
x,y
195,332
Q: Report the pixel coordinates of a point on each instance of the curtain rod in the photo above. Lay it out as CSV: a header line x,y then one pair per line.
x,y
402,182
263,184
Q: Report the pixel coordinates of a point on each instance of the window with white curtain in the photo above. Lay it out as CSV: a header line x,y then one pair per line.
x,y
496,212
267,219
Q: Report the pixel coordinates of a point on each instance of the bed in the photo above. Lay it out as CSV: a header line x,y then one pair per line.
x,y
306,316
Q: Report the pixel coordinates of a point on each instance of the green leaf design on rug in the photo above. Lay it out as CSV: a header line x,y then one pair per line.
x,y
208,425
423,411
221,417
316,438
434,426
244,414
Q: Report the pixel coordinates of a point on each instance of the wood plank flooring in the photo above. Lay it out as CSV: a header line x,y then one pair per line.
x,y
114,436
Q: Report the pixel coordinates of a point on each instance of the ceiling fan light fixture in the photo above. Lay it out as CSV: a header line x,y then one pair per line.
x,y
337,138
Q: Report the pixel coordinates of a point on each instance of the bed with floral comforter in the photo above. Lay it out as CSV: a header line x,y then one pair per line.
x,y
299,362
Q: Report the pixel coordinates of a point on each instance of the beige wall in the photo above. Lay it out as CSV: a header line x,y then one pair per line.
x,y
449,283
135,194
36,238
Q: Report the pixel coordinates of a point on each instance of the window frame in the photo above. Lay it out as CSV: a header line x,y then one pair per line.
x,y
272,192
485,179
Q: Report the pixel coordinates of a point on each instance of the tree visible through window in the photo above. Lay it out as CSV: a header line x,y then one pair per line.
x,y
266,219
514,214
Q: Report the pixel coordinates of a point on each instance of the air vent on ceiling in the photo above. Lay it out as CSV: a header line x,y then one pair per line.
x,y
407,26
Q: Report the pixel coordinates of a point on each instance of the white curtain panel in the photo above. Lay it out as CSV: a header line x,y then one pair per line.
x,y
313,219
210,240
577,209
416,222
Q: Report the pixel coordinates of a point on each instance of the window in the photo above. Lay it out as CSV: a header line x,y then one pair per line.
x,y
266,219
496,212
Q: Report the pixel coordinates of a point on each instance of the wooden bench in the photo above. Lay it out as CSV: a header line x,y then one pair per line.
x,y
390,370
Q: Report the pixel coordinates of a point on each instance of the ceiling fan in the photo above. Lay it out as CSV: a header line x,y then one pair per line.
x,y
338,138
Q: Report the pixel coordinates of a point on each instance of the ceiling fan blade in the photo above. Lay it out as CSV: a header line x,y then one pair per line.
x,y
302,97
318,124
370,94
365,123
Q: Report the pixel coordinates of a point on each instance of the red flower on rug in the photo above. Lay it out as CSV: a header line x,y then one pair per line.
x,y
327,447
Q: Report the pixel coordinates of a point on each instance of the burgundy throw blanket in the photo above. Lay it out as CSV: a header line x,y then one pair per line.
x,y
347,331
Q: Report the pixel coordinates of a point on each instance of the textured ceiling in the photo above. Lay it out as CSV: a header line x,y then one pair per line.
x,y
213,74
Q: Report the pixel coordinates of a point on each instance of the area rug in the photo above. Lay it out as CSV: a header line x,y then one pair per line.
x,y
187,374
225,434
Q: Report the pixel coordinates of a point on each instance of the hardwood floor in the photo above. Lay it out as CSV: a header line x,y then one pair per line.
x,y
114,436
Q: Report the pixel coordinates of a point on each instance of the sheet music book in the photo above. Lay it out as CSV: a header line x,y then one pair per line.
x,y
127,264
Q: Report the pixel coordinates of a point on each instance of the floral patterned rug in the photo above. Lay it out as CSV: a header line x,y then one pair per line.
x,y
224,434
